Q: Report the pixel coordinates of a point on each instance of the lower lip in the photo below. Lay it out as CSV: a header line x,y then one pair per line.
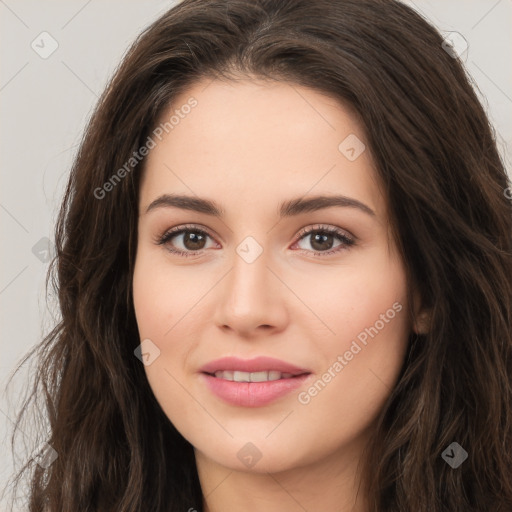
x,y
252,394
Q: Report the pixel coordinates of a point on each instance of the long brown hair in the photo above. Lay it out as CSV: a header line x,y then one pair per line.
x,y
436,155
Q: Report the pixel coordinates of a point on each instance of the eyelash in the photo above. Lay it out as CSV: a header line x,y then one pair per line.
x,y
346,240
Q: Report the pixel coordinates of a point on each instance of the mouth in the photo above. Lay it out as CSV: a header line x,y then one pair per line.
x,y
252,382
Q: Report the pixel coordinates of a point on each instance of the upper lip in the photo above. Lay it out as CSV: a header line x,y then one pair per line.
x,y
258,364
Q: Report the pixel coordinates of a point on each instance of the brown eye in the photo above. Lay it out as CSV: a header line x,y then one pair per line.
x,y
193,241
321,240
189,240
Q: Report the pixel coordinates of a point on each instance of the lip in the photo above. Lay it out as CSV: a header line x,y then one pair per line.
x,y
252,394
258,364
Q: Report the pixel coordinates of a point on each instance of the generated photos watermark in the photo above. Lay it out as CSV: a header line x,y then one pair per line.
x,y
305,397
138,156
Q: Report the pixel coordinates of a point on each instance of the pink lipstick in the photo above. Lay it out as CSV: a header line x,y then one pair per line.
x,y
254,382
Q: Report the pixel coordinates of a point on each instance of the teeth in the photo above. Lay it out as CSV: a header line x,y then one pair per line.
x,y
251,376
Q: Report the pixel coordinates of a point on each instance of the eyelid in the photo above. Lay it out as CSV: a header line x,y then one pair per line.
x,y
303,231
325,227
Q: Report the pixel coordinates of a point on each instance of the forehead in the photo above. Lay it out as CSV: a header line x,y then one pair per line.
x,y
258,142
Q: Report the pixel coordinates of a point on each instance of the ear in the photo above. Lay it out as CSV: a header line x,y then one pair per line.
x,y
421,325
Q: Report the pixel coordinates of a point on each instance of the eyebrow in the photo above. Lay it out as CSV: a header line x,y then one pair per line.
x,y
288,208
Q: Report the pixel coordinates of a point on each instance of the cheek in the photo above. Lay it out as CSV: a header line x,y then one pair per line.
x,y
161,301
363,359
365,308
357,296
160,296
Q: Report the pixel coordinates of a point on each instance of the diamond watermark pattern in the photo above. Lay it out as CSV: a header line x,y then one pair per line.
x,y
43,250
44,45
147,352
249,249
249,455
45,455
454,44
454,455
351,147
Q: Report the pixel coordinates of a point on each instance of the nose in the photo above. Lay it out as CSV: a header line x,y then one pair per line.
x,y
251,299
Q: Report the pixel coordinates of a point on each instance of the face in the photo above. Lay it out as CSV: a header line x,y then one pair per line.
x,y
318,285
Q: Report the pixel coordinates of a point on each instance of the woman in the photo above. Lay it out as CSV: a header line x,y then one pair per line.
x,y
284,263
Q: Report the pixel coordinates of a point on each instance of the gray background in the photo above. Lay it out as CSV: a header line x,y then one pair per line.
x,y
45,104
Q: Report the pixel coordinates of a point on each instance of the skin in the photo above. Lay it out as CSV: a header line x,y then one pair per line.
x,y
248,145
